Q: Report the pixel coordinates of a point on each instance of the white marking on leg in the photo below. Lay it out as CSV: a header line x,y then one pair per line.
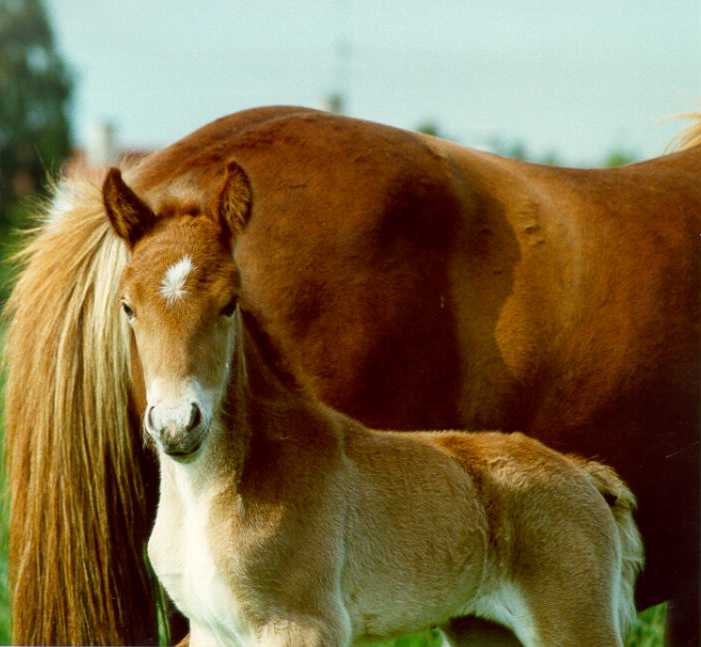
x,y
173,283
508,607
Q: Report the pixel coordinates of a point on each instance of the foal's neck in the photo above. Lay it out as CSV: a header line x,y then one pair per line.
x,y
264,414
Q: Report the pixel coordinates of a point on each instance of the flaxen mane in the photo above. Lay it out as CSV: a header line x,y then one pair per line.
x,y
691,136
78,504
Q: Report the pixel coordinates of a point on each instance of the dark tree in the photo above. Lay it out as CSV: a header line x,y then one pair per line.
x,y
35,89
620,157
429,127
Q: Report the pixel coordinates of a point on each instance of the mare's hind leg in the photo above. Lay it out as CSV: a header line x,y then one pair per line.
x,y
683,620
185,642
475,632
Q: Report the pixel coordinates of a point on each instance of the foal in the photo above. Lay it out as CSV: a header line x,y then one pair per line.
x,y
284,523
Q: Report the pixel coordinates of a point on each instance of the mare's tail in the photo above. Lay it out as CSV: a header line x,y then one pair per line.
x,y
78,518
622,503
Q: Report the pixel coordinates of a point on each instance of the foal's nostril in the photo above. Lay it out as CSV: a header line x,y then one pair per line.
x,y
149,419
195,417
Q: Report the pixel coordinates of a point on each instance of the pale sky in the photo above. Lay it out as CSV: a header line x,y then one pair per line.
x,y
579,78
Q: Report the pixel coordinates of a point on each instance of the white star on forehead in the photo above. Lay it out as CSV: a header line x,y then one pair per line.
x,y
173,283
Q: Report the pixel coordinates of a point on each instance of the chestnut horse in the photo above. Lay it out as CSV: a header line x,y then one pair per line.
x,y
412,283
284,523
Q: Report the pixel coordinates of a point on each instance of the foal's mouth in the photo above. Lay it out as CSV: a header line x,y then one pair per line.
x,y
183,454
184,447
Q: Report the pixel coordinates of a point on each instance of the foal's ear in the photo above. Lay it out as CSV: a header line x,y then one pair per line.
x,y
129,215
232,204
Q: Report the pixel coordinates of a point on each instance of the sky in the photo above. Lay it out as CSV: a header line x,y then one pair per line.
x,y
576,78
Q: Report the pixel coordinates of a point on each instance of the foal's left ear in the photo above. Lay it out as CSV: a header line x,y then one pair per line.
x,y
232,203
129,215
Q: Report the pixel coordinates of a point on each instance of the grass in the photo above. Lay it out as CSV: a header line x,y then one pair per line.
x,y
647,632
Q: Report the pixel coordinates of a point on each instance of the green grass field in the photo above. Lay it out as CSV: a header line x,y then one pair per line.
x,y
647,632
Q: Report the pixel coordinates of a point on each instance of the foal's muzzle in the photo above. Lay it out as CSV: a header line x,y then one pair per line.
x,y
179,433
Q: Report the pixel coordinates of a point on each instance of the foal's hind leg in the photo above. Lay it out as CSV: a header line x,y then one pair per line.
x,y
475,632
574,613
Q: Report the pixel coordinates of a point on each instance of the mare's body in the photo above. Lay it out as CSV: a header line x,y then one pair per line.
x,y
452,288
412,283
295,526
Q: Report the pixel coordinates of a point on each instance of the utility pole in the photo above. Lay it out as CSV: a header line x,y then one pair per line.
x,y
337,99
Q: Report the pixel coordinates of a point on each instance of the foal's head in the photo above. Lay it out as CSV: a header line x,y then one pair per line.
x,y
179,293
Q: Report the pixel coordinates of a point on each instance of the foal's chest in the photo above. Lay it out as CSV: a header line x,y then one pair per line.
x,y
183,556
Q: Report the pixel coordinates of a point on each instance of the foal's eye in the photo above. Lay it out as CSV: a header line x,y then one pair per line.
x,y
229,308
127,311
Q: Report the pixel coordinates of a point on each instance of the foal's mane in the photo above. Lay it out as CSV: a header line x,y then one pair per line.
x,y
261,367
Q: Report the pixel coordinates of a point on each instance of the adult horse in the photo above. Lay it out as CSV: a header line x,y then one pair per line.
x,y
411,283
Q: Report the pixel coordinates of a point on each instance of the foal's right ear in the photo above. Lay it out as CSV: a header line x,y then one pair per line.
x,y
129,215
232,203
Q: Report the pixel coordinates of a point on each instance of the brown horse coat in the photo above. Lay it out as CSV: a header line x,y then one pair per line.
x,y
414,284
282,522
420,284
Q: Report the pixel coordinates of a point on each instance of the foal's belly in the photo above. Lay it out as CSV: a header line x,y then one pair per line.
x,y
400,607
183,561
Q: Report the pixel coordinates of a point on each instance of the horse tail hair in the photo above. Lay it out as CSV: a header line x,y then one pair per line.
x,y
622,503
78,516
689,137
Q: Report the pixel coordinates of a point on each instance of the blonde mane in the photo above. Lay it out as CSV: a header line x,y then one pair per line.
x,y
67,362
690,136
